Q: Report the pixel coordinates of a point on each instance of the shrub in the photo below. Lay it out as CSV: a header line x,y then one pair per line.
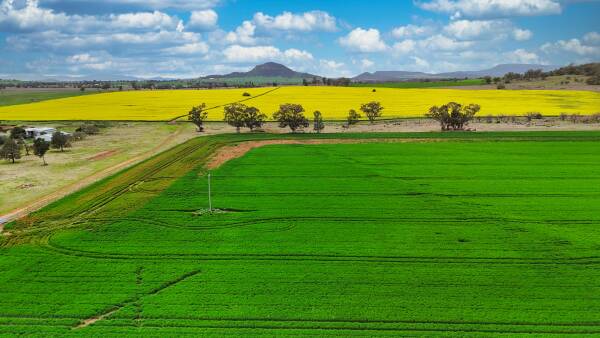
x,y
353,117
534,116
501,86
88,129
78,136
246,94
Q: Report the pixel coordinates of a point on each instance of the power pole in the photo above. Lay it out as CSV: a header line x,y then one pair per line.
x,y
209,199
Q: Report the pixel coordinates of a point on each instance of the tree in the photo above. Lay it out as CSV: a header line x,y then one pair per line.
x,y
254,118
291,115
372,110
197,115
453,116
318,124
235,115
487,79
353,117
10,150
40,147
60,141
18,133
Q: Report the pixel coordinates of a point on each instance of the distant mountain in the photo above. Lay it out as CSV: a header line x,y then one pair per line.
x,y
269,69
389,76
499,70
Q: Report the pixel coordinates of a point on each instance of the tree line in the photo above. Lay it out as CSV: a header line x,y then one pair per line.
x,y
451,116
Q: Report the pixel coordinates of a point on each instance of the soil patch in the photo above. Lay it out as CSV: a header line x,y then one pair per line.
x,y
102,155
227,153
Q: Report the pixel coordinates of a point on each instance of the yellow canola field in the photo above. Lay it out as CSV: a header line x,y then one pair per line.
x,y
333,102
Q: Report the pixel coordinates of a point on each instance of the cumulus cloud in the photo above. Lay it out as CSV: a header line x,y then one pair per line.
x,y
305,22
409,31
572,46
252,54
443,43
492,8
150,4
404,47
366,63
203,20
194,48
485,29
243,34
592,38
522,34
521,56
363,40
30,17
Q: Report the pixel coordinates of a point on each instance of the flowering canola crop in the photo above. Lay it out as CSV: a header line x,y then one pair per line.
x,y
333,102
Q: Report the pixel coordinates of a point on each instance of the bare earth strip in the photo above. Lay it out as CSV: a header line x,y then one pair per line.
x,y
82,183
227,153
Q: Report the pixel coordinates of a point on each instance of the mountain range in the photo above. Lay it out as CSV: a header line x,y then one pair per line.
x,y
499,70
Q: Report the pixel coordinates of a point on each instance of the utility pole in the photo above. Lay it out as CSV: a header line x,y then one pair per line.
x,y
209,200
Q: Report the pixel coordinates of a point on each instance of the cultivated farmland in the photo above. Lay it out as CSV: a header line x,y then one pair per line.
x,y
333,102
384,235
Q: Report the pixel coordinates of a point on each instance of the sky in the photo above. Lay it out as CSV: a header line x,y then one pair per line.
x,y
41,39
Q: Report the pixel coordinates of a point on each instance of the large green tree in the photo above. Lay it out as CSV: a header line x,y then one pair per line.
x,y
453,116
10,150
254,118
40,147
235,115
292,116
372,110
197,116
60,141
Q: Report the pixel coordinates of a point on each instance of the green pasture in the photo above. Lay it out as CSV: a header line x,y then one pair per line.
x,y
457,234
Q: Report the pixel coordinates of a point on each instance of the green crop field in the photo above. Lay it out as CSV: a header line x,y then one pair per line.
x,y
457,234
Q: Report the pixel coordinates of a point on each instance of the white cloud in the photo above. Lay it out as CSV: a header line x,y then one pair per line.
x,y
442,43
296,54
243,54
203,20
243,34
363,40
194,48
366,63
164,4
420,63
411,31
522,34
592,38
305,22
29,17
521,56
404,47
571,46
492,8
97,62
474,29
155,20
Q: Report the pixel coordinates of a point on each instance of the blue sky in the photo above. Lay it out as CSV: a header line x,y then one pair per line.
x,y
178,38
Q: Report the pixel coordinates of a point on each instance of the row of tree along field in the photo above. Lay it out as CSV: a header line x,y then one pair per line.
x,y
451,116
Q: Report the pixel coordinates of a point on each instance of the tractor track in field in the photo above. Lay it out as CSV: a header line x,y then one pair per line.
x,y
585,261
113,309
